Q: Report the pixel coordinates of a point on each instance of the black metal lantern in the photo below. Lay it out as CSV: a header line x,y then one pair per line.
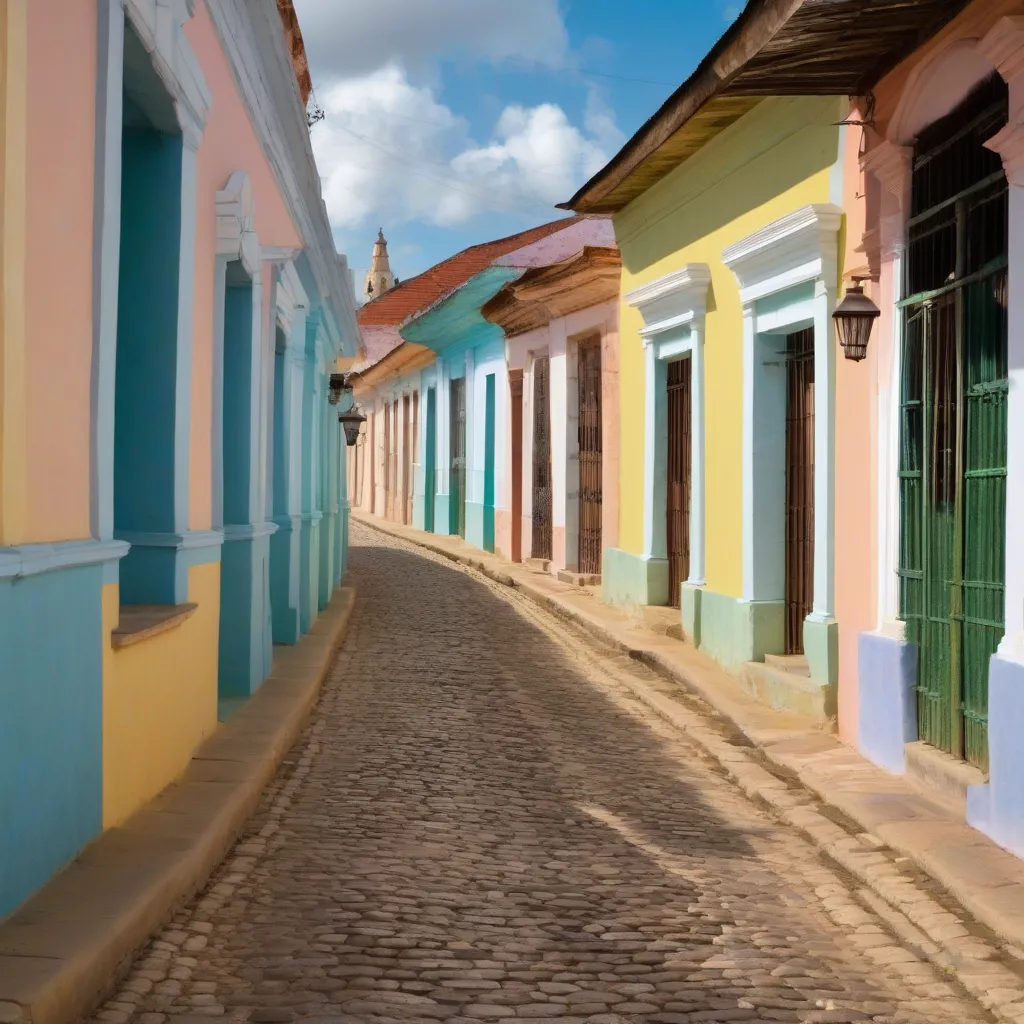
x,y
352,422
339,386
854,317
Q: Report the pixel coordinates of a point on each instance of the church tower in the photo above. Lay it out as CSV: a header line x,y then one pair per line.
x,y
379,279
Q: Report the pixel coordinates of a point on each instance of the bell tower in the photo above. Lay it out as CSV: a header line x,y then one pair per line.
x,y
379,279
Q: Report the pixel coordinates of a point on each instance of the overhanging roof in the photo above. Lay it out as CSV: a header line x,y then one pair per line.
x,y
457,317
774,48
585,279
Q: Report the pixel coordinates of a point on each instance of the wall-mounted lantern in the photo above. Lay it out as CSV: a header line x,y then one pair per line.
x,y
352,422
854,317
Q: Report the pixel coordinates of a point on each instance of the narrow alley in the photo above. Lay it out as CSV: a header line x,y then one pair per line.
x,y
478,823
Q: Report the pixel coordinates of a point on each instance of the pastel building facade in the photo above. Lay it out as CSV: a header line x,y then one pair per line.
x,y
474,404
841,535
141,421
933,664
560,324
730,261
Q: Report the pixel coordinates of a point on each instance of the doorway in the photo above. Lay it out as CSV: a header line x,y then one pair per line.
x,y
542,498
406,516
430,461
457,469
799,486
489,460
679,453
590,453
954,421
515,382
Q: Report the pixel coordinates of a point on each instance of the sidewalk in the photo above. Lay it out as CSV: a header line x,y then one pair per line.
x,y
63,950
872,823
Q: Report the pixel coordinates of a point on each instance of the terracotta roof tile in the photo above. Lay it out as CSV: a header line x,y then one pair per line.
x,y
417,293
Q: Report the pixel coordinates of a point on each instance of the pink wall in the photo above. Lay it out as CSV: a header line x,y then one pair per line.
x,y
58,265
856,463
229,144
872,212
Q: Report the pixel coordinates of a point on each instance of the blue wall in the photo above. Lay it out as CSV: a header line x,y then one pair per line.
x,y
51,725
238,397
147,332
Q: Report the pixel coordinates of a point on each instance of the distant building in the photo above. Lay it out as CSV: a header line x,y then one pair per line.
x,y
379,278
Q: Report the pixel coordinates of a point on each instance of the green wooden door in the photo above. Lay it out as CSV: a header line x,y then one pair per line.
x,y
953,422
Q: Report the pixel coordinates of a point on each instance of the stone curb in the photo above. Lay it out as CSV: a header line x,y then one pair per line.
x,y
65,949
933,930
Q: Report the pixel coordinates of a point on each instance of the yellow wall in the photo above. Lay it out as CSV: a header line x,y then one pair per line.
x,y
159,698
776,159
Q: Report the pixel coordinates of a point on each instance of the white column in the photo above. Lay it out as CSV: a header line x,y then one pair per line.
x,y
823,609
890,164
697,577
749,342
654,547
443,407
473,492
1004,46
558,384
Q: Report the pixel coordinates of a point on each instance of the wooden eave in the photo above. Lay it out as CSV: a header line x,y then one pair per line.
x,y
405,359
586,279
774,48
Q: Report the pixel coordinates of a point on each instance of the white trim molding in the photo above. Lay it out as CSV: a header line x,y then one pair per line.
x,y
800,249
792,250
254,45
160,26
673,308
236,222
33,559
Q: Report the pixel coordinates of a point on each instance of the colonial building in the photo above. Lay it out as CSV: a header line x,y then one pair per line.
x,y
841,533
561,347
171,482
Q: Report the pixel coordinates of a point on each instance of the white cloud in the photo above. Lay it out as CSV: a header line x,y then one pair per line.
x,y
389,149
349,38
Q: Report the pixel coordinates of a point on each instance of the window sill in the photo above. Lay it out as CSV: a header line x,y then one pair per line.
x,y
139,622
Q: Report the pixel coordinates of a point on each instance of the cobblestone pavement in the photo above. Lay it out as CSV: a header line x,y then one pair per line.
x,y
479,824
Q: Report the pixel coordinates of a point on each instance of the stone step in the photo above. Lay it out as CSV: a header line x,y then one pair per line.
x,y
941,776
787,691
579,579
795,664
539,564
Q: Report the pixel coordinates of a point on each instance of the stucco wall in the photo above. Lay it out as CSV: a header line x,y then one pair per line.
x,y
159,698
229,144
58,266
856,525
773,161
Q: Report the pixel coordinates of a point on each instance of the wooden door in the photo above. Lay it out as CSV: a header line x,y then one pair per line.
x,y
406,510
542,499
799,486
515,383
953,443
590,449
678,473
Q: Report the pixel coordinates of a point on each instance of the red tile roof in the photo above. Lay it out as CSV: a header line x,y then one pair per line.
x,y
417,293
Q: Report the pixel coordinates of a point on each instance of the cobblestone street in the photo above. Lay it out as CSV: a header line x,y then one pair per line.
x,y
480,823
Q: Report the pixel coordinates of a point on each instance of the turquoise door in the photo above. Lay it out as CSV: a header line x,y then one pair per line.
x,y
430,462
489,463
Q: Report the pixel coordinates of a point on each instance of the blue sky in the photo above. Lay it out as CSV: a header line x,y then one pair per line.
x,y
451,122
